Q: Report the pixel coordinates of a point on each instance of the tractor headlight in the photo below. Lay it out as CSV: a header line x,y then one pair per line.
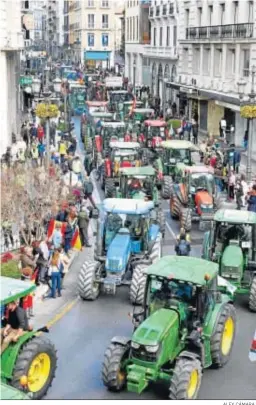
x,y
135,345
152,349
204,206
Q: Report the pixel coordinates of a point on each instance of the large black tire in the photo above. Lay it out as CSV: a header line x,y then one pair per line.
x,y
167,187
175,206
220,353
185,371
87,288
35,347
161,221
252,295
88,144
113,375
110,189
138,284
186,219
156,252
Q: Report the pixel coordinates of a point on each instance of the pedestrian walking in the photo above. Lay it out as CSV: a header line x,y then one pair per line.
x,y
237,161
41,152
77,167
40,133
223,127
231,185
68,235
54,273
62,150
57,237
83,224
195,132
34,155
245,188
239,193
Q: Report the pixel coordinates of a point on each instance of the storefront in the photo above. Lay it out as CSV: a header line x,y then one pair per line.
x,y
94,59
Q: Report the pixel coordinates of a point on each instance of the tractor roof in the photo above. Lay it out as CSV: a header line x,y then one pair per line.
x,y
199,169
138,171
113,124
187,269
124,145
155,123
179,144
101,114
130,102
127,206
119,92
235,216
13,289
143,110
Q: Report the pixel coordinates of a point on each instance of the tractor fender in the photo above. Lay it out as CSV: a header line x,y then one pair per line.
x,y
9,356
188,355
216,313
122,340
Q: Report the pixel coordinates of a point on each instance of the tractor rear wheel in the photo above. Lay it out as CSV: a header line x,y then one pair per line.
x,y
109,188
223,336
138,284
167,187
88,289
113,374
161,221
175,206
186,379
88,144
156,252
186,219
252,296
37,360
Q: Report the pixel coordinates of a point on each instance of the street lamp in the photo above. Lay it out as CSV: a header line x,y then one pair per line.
x,y
57,85
36,86
248,110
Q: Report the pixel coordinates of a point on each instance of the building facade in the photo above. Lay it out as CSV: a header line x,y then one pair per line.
x,y
11,43
217,48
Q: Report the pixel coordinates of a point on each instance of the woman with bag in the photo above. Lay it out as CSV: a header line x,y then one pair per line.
x,y
55,274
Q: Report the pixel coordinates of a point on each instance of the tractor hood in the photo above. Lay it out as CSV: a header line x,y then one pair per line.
x,y
204,201
232,263
152,331
119,251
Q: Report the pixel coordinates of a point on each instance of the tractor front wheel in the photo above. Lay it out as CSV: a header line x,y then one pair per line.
x,y
109,188
252,296
161,221
37,360
88,288
223,336
113,373
186,219
167,187
186,379
138,284
175,206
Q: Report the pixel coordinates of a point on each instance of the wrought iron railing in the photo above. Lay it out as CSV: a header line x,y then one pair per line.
x,y
220,31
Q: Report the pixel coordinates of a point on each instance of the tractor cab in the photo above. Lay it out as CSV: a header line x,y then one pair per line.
x,y
185,326
142,114
77,98
231,243
200,185
29,363
112,131
117,99
138,183
155,132
70,74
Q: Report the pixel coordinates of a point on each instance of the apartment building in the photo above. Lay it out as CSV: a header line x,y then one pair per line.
x,y
11,43
54,27
217,48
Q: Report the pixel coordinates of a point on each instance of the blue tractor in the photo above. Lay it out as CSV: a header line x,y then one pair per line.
x,y
128,241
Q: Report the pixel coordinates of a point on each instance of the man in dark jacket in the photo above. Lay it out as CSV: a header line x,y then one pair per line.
x,y
68,238
252,200
83,224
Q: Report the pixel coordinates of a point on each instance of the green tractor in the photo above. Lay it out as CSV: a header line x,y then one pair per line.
x,y
171,153
127,108
88,128
231,243
185,326
32,357
140,183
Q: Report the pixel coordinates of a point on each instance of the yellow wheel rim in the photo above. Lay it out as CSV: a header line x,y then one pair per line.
x,y
39,372
227,336
192,385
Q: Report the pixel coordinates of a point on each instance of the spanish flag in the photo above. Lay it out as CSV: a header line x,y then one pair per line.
x,y
76,241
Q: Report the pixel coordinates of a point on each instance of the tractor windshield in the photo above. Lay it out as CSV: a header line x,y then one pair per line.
x,y
156,132
139,184
225,233
178,155
202,181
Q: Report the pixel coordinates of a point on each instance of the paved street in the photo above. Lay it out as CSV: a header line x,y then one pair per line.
x,y
82,335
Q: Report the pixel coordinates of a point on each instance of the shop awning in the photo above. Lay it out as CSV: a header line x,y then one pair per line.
x,y
96,55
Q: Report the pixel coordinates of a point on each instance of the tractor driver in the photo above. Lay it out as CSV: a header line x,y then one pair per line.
x,y
16,325
233,232
134,186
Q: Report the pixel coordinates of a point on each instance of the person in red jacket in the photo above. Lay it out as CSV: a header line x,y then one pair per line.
x,y
40,133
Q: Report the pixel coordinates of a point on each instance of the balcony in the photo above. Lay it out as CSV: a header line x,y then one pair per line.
x,y
230,31
165,52
164,12
157,11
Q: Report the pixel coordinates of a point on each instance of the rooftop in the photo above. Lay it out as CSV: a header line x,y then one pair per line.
x,y
155,123
13,289
138,171
124,145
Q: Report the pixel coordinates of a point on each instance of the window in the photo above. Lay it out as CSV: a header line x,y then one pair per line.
x,y
161,37
222,14
154,37
210,11
168,36
245,62
199,16
90,39
235,6
196,60
230,62
185,60
174,35
104,3
133,30
90,20
130,29
127,29
104,39
137,28
206,61
90,3
104,20
217,62
187,18
250,11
